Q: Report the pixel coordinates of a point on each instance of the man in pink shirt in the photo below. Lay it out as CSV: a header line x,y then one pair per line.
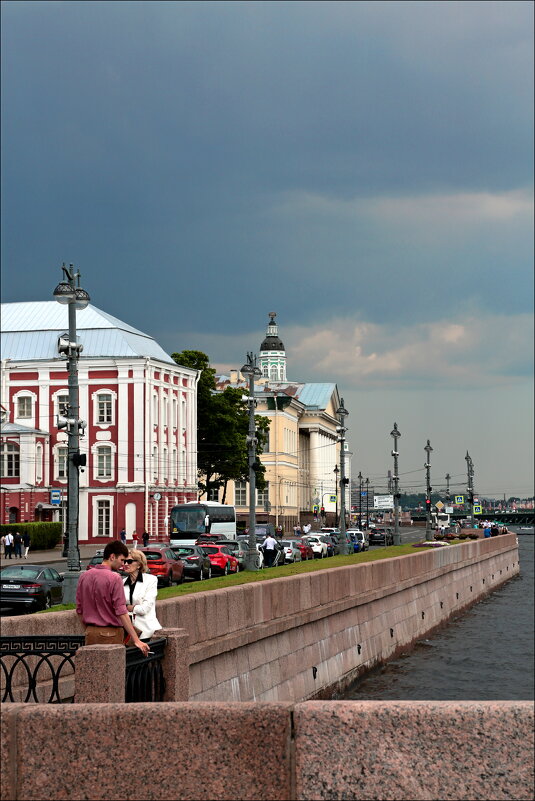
x,y
100,601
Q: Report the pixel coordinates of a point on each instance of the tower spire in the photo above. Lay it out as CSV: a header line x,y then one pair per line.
x,y
272,356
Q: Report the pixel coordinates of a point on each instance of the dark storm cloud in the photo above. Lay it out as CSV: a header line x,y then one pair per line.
x,y
155,144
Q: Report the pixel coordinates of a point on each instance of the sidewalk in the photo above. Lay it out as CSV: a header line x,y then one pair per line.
x,y
50,556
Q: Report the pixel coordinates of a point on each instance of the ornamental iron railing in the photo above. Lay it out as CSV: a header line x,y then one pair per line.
x,y
37,669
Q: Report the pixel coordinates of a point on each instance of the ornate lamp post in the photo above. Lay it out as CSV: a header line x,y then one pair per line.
x,y
470,487
428,449
342,413
367,504
360,499
70,292
336,471
396,434
251,370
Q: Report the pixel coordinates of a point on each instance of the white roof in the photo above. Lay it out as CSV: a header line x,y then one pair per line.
x,y
30,332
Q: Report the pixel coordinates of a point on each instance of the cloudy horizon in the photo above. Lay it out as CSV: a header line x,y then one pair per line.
x,y
363,169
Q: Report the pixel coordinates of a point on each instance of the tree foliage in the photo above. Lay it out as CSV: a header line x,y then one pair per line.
x,y
222,428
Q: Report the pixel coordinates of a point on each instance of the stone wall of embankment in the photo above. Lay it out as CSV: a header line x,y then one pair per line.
x,y
301,637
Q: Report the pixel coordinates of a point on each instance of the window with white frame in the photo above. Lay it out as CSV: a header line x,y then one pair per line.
x,y
24,406
165,411
62,404
62,459
103,518
262,496
174,465
155,471
240,493
155,415
104,462
213,494
164,463
38,464
174,409
104,408
10,460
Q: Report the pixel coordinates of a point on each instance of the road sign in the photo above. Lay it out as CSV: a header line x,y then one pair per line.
x,y
459,499
439,505
477,509
383,501
55,497
332,498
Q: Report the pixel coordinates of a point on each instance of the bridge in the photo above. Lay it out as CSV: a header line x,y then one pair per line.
x,y
525,517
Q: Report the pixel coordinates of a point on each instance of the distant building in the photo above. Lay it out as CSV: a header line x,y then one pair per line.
x,y
303,449
141,414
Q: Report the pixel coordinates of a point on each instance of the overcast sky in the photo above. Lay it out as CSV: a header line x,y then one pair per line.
x,y
363,169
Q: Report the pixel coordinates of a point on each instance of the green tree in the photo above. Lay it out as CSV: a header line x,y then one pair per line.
x,y
222,428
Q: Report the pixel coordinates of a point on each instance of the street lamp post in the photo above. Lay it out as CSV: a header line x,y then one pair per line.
x,y
427,466
360,499
396,434
470,468
342,414
69,292
336,471
251,370
367,504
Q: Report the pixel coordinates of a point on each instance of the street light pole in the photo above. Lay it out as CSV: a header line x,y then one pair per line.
x,y
336,471
360,499
396,434
251,370
427,466
342,414
470,467
68,292
367,504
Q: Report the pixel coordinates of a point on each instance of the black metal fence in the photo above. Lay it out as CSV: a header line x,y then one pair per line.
x,y
37,665
37,669
144,674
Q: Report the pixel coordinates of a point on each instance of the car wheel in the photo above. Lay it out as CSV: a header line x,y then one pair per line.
x,y
210,572
226,570
201,574
48,601
168,580
181,579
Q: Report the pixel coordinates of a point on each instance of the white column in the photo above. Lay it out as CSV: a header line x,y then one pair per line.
x,y
122,424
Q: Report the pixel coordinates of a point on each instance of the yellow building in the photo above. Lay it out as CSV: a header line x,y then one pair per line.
x,y
303,450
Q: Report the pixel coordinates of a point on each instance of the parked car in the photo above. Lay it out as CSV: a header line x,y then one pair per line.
x,y
381,536
164,564
305,548
318,546
95,560
292,553
262,530
221,558
359,539
31,586
332,544
196,563
245,545
237,549
329,530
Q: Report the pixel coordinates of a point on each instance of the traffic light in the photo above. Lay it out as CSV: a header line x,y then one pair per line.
x,y
322,511
428,503
345,481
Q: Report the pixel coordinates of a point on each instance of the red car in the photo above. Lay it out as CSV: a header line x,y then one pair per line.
x,y
304,547
164,564
221,558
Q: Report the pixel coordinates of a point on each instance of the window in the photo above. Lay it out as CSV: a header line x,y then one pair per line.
x,y
164,463
10,460
63,454
240,493
262,496
24,406
213,494
63,404
155,463
104,408
265,448
103,519
104,463
38,464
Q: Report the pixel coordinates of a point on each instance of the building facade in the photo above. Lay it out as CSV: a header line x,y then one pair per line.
x,y
303,450
140,407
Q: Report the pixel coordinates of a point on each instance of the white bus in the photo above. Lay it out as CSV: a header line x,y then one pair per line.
x,y
440,519
189,521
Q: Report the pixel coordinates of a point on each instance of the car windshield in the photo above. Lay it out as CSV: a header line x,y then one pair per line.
x,y
97,560
184,551
153,556
210,549
20,572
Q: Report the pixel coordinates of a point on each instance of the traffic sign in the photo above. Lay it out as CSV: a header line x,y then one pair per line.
x,y
459,499
439,505
55,497
477,509
332,498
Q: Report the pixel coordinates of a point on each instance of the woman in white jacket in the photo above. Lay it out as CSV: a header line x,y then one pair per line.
x,y
140,589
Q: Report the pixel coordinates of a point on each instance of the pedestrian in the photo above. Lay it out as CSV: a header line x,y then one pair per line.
x,y
306,528
122,535
9,544
100,601
140,589
269,549
26,542
17,543
145,538
486,529
3,545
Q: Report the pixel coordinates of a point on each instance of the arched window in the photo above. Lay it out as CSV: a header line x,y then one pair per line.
x,y
10,467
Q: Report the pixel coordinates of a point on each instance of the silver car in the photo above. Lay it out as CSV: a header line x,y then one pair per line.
x,y
291,551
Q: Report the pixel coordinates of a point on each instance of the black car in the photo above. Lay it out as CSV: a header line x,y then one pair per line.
x,y
332,544
196,563
31,586
381,536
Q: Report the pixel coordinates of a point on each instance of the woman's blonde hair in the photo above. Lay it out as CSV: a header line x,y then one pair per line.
x,y
140,557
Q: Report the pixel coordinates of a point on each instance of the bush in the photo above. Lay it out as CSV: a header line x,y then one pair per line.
x,y
43,535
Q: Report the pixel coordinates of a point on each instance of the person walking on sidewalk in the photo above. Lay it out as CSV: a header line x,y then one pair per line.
x,y
122,535
26,542
100,601
145,537
17,540
9,544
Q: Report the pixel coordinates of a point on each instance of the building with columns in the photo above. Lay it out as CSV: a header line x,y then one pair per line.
x,y
140,408
303,448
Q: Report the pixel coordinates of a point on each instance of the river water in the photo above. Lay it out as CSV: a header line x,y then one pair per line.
x,y
485,654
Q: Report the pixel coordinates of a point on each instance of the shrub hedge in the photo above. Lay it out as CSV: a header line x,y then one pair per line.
x,y
42,535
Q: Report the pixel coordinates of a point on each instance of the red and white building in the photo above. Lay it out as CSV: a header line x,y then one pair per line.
x,y
141,413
